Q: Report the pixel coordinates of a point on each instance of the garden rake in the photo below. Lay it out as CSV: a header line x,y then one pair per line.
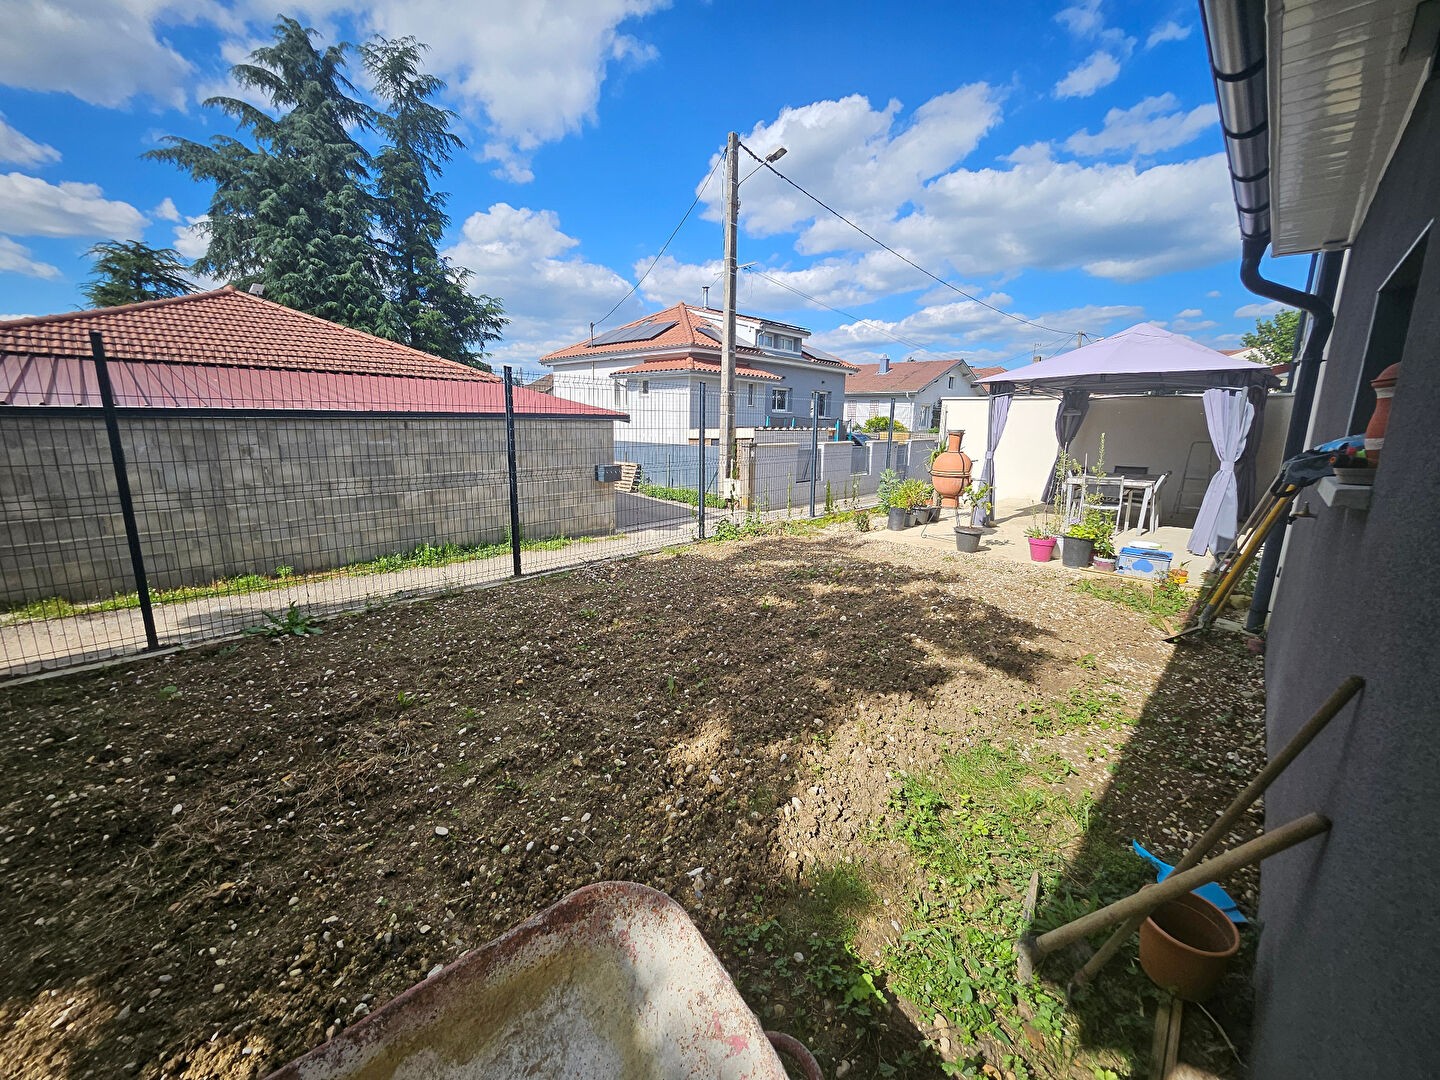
x,y
1295,475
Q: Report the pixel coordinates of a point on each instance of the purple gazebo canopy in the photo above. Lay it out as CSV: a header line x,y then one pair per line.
x,y
1146,359
1141,360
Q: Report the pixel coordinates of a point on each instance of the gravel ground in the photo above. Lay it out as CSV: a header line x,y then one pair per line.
x,y
211,862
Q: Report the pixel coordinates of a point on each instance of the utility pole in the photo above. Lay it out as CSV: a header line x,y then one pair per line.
x,y
727,336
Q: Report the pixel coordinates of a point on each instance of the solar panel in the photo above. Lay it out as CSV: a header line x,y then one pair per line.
x,y
639,332
710,332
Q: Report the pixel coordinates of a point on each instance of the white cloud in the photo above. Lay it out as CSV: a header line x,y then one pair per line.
x,y
30,206
102,51
166,211
863,160
191,239
1213,294
531,72
16,259
1259,311
1155,124
19,149
550,293
968,329
1190,313
1167,31
1086,21
1111,220
1099,70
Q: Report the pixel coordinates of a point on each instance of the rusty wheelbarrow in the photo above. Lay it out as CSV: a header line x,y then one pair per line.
x,y
613,981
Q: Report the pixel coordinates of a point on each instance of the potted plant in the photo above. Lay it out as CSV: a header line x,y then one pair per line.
x,y
885,497
1082,536
1104,558
1042,541
975,497
913,495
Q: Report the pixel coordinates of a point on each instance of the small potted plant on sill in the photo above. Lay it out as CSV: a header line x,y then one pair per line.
x,y
975,497
1041,538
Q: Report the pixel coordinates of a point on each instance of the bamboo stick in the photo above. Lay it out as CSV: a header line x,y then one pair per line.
x,y
1180,883
1226,821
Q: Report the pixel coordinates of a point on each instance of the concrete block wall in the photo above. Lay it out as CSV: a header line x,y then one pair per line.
x,y
775,467
217,496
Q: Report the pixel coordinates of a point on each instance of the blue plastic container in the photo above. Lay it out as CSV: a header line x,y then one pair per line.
x,y
1143,563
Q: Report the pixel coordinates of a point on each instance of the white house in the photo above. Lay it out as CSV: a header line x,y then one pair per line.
x,y
654,368
914,386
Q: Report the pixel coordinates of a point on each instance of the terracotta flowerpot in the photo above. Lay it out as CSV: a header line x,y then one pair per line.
x,y
1185,946
950,472
1042,548
1384,387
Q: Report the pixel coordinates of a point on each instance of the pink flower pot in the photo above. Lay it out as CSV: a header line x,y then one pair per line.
x,y
1042,549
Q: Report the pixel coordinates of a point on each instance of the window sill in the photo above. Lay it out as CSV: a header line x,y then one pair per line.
x,y
1343,496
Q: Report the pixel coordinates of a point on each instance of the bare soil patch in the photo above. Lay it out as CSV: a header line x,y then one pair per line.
x,y
211,862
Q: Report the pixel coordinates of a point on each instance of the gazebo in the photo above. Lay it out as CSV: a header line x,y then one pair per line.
x,y
1148,360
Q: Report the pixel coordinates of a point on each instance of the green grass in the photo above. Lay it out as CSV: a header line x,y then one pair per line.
x,y
978,829
426,555
680,495
1168,601
1081,708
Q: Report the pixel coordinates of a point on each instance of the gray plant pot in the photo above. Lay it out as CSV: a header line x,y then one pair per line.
x,y
967,538
1078,551
898,518
919,516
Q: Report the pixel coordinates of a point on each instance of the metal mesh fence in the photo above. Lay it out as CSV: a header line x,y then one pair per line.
x,y
250,516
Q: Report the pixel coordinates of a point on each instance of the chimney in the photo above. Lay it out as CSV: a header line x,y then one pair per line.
x,y
884,365
706,290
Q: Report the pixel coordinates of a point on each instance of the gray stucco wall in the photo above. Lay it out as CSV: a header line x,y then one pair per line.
x,y
219,495
1349,951
802,383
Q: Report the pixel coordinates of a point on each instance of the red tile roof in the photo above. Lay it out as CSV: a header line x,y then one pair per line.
x,y
685,337
226,327
905,377
985,372
693,363
228,350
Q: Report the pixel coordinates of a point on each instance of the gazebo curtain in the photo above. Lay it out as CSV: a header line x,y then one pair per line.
x,y
1074,404
999,413
1228,415
1245,468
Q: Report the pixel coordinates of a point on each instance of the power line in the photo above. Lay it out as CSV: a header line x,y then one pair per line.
x,y
696,202
838,311
910,262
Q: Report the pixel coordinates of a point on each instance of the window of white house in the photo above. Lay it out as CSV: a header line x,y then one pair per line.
x,y
822,404
645,389
779,400
783,342
949,385
619,394
749,400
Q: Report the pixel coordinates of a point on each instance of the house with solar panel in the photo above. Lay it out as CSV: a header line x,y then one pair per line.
x,y
655,368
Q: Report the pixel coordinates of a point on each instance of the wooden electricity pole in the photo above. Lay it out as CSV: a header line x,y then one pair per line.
x,y
727,336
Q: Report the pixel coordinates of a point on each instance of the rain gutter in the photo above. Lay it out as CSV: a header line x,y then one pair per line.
x,y
1235,38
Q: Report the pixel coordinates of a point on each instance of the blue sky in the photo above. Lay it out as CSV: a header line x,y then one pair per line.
x,y
1060,161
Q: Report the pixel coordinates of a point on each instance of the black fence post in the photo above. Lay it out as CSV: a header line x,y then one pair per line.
x,y
814,445
700,463
511,469
122,489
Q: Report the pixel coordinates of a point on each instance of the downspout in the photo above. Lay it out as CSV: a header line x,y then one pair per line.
x,y
1236,42
1318,306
